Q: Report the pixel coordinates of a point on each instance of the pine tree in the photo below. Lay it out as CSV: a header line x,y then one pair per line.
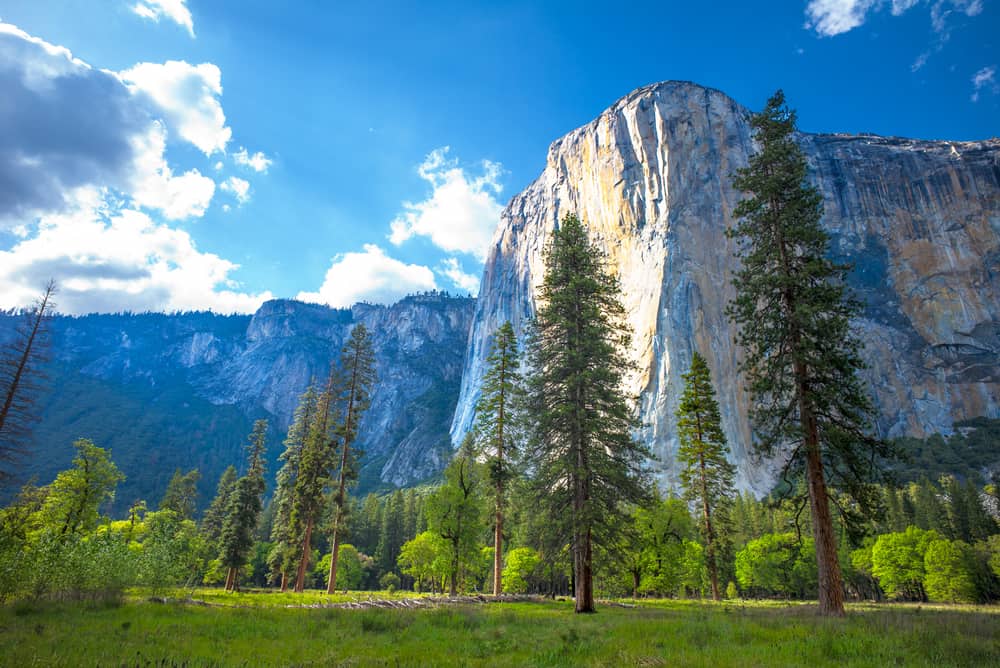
x,y
586,462
358,363
495,429
282,557
215,515
390,533
20,379
182,494
793,314
313,477
707,476
244,508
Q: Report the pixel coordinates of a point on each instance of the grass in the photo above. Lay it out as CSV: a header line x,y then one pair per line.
x,y
657,633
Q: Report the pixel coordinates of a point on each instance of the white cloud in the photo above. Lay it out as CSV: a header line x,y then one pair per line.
x,y
187,96
369,276
258,162
238,188
833,17
106,258
462,211
154,185
984,79
174,10
453,270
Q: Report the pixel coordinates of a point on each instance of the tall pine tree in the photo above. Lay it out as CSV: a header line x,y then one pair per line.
x,y
245,505
357,360
793,314
706,474
282,558
495,429
586,462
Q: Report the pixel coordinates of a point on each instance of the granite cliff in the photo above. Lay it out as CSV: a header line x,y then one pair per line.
x,y
181,390
920,221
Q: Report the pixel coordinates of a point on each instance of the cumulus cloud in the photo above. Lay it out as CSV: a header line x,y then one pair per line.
x,y
238,188
258,162
834,17
453,271
155,186
462,210
172,10
188,98
984,79
371,276
67,125
63,125
106,258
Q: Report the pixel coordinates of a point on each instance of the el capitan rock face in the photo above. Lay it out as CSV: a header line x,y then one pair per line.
x,y
649,177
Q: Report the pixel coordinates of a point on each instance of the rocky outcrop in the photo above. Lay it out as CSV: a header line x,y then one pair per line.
x,y
649,177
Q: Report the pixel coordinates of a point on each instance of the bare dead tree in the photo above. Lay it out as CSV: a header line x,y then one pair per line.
x,y
22,380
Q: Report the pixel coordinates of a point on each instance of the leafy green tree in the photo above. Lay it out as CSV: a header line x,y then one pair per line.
x,y
794,314
358,362
663,528
777,564
586,462
522,562
169,552
182,494
706,474
282,558
455,511
243,509
495,429
418,558
20,375
948,573
74,498
898,562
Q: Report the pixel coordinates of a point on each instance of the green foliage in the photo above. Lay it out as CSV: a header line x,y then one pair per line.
x,y
522,562
389,582
898,562
74,498
731,591
424,558
455,513
948,567
586,463
777,564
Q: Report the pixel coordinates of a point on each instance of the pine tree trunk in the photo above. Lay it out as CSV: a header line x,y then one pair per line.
x,y
300,579
584,590
284,582
497,555
229,578
331,584
831,588
713,569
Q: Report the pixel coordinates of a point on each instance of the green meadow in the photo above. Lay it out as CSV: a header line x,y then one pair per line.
x,y
258,629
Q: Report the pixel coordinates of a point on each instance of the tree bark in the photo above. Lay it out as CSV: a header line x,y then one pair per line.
x,y
331,584
831,590
300,579
284,582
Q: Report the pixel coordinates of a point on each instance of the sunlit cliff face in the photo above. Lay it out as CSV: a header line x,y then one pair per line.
x,y
920,220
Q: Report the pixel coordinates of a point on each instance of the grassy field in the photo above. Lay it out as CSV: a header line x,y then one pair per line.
x,y
659,633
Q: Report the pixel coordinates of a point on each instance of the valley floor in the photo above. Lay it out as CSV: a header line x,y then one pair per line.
x,y
655,633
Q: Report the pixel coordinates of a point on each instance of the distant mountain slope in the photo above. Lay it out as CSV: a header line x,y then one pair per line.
x,y
182,390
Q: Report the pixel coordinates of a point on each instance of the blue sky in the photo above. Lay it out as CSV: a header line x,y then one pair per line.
x,y
208,154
